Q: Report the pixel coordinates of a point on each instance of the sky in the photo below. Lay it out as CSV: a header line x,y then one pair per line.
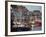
x,y
32,7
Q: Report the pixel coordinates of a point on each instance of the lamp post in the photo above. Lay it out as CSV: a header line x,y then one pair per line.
x,y
33,24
